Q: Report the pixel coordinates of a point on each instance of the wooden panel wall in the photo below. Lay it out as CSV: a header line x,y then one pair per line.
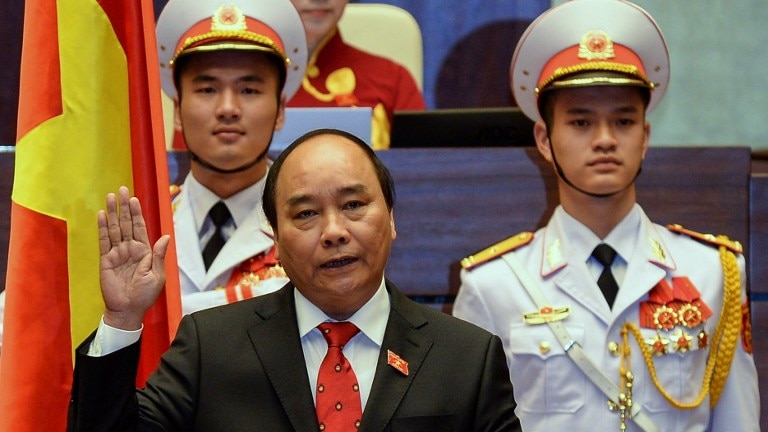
x,y
453,202
758,237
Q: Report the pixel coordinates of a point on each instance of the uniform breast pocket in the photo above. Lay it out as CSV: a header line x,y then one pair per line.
x,y
544,377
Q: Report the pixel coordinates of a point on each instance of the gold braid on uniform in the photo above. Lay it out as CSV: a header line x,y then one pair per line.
x,y
723,344
730,323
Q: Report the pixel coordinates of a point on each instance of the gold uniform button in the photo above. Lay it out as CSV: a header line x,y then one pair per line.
x,y
613,348
544,347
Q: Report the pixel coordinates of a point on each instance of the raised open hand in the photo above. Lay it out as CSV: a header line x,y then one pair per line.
x,y
131,272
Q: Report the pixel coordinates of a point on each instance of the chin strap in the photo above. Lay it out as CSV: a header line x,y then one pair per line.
x,y
567,181
207,165
194,157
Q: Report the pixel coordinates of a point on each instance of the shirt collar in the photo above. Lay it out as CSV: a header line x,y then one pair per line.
x,y
580,241
240,205
367,318
623,237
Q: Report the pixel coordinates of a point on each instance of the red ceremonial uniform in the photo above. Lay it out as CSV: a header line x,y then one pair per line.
x,y
339,75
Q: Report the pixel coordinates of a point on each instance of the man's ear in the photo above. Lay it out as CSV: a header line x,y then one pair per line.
x,y
280,120
392,224
647,141
541,135
176,114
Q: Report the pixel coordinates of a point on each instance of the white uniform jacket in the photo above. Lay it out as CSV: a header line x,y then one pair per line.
x,y
551,391
201,289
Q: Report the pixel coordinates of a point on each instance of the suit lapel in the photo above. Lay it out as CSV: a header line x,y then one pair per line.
x,y
276,341
403,338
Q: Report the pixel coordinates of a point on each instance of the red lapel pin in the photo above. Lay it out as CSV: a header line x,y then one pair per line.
x,y
396,362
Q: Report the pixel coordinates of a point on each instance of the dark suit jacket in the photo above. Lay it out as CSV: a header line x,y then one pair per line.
x,y
240,367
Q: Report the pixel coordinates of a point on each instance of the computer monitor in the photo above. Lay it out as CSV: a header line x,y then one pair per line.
x,y
462,127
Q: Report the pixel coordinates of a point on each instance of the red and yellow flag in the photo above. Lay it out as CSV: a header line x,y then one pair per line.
x,y
89,121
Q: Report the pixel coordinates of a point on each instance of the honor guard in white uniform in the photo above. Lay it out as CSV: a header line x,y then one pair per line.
x,y
609,321
230,67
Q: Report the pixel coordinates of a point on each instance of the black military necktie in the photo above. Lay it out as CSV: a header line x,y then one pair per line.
x,y
219,215
605,255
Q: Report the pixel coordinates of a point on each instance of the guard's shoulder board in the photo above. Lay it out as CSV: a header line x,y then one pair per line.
x,y
174,190
497,250
716,240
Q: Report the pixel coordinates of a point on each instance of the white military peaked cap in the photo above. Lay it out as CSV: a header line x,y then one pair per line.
x,y
272,26
588,43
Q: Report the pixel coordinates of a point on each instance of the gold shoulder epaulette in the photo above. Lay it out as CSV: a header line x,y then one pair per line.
x,y
174,190
717,240
497,250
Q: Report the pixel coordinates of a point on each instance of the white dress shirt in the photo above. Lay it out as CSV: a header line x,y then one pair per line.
x,y
622,238
362,350
240,205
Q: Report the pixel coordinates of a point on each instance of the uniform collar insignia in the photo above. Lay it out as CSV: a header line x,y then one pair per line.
x,y
229,18
658,250
554,254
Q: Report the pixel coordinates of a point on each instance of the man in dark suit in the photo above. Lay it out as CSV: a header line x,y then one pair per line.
x,y
254,364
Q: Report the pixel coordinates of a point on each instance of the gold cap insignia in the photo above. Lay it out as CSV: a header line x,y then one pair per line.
x,y
596,45
228,18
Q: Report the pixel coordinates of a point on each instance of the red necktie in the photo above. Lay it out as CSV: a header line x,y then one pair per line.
x,y
338,394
